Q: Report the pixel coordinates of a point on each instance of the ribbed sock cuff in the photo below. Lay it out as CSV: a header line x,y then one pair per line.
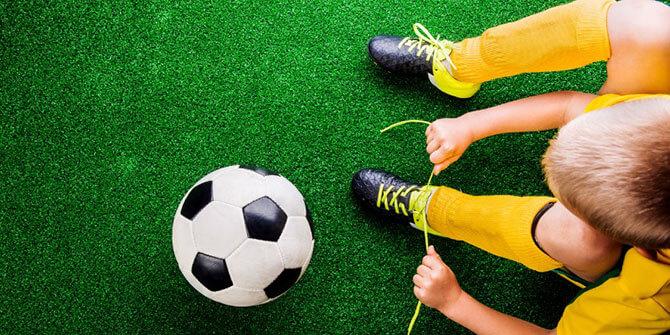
x,y
521,239
502,227
468,59
592,35
441,204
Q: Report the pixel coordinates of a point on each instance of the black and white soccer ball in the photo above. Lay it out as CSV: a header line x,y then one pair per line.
x,y
242,236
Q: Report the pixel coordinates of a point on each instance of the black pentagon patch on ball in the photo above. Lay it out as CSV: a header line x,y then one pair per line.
x,y
211,272
260,171
284,281
196,200
264,219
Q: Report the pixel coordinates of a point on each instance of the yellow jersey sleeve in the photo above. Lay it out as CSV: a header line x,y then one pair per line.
x,y
636,301
608,100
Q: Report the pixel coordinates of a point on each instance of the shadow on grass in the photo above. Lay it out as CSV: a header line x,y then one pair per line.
x,y
418,87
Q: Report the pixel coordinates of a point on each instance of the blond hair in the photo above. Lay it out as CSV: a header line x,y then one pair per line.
x,y
611,168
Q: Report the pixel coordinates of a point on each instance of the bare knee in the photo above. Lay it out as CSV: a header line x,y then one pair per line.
x,y
639,36
639,23
579,247
600,251
595,254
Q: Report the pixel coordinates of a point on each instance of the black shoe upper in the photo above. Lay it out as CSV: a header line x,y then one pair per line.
x,y
365,185
386,52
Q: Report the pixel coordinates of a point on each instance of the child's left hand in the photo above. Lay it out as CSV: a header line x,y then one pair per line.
x,y
446,141
435,285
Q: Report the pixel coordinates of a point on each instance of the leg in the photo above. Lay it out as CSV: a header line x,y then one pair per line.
x,y
561,38
500,224
503,225
523,229
581,249
640,39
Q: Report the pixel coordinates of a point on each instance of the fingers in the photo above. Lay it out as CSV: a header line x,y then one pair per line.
x,y
430,138
437,169
432,262
429,129
441,154
418,281
423,270
418,292
432,146
432,252
441,166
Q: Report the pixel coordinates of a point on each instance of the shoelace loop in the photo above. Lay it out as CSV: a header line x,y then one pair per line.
x,y
426,42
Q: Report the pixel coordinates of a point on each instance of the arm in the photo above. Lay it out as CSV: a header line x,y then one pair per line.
x,y
481,319
436,286
448,138
541,112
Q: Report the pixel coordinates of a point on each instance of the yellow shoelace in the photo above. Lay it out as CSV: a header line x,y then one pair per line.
x,y
428,44
382,198
425,222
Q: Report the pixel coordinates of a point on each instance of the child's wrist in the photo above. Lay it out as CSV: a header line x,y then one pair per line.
x,y
472,125
450,309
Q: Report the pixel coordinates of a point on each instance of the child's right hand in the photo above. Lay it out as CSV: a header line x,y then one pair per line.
x,y
435,285
447,139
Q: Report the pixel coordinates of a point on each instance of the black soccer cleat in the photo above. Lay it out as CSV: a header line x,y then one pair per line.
x,y
401,55
425,55
410,55
391,197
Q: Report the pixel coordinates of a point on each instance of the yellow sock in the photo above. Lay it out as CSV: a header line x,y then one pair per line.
x,y
560,38
499,224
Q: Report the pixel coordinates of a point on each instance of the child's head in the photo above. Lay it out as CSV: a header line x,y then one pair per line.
x,y
611,167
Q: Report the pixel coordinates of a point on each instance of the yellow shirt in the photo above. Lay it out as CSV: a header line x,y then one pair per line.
x,y
608,100
634,300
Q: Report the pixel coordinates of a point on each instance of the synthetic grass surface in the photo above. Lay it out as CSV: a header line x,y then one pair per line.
x,y
112,110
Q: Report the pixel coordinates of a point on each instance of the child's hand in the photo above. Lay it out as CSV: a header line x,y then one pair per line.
x,y
446,141
435,285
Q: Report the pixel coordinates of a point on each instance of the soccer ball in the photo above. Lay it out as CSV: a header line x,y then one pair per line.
x,y
242,236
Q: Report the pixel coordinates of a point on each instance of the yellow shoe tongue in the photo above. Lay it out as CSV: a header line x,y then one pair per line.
x,y
418,202
413,197
440,63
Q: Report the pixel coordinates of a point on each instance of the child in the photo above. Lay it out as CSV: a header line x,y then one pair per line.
x,y
609,166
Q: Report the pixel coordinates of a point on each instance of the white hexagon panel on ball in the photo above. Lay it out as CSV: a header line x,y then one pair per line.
x,y
242,236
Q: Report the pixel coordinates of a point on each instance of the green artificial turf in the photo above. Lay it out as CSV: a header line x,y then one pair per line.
x,y
111,110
